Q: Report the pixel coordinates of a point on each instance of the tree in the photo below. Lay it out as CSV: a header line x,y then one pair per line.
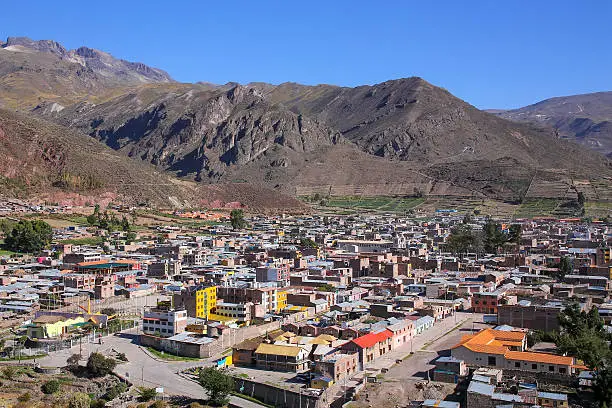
x,y
327,288
602,386
217,384
514,234
99,366
237,219
125,224
146,394
462,240
79,400
494,237
29,236
51,387
566,267
308,243
583,336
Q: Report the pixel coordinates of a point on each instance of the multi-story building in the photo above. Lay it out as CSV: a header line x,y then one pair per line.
x,y
281,300
163,321
529,316
337,366
198,301
238,311
167,268
266,297
277,273
79,281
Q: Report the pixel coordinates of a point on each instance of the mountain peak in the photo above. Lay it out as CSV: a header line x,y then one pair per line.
x,y
99,62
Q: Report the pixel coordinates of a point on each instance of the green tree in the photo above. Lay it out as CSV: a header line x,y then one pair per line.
x,y
309,243
29,236
566,267
602,386
237,219
514,234
494,237
125,224
217,384
327,288
99,366
462,240
51,387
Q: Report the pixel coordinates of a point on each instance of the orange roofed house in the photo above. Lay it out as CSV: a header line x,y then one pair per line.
x,y
506,350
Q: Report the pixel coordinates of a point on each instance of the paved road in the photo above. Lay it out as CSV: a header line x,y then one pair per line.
x,y
143,369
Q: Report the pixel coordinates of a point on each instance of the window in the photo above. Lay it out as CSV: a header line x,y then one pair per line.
x,y
534,366
551,368
517,365
561,370
491,360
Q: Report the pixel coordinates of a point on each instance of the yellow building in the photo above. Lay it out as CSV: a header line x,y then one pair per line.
x,y
281,300
50,326
206,301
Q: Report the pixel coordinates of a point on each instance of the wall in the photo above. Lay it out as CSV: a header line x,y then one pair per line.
x,y
277,397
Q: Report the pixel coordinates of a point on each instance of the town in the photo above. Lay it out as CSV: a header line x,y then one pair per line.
x,y
451,310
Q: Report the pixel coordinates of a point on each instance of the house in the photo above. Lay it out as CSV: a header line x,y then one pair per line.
x,y
50,326
449,369
552,399
506,350
403,332
321,382
370,346
278,357
337,366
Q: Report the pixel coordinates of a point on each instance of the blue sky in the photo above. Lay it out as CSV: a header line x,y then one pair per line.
x,y
493,54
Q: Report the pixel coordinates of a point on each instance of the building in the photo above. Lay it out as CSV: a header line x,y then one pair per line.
x,y
165,269
198,301
370,346
278,357
337,366
241,312
552,399
163,321
528,316
506,350
51,326
278,274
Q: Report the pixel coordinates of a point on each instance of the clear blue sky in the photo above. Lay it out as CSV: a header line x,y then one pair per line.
x,y
493,54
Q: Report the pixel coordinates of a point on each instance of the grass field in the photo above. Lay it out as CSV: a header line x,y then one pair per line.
x,y
379,204
534,207
83,241
169,357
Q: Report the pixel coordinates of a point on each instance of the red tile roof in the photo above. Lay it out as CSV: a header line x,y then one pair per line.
x,y
371,339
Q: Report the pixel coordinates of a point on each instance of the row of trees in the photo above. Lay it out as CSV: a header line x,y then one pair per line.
x,y
490,239
583,335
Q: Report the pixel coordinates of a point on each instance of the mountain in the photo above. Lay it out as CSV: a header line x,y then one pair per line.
x,y
52,163
400,137
585,119
36,71
406,135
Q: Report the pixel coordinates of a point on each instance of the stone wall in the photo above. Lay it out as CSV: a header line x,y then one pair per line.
x,y
278,397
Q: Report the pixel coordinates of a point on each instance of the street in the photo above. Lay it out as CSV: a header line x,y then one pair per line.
x,y
143,369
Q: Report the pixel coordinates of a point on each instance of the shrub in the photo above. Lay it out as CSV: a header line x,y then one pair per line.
x,y
79,400
115,391
25,397
51,387
9,372
158,404
99,366
146,394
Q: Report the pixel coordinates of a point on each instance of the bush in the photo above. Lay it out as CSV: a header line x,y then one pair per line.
x,y
115,391
99,403
99,366
51,387
146,394
24,397
9,372
79,400
122,357
158,404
